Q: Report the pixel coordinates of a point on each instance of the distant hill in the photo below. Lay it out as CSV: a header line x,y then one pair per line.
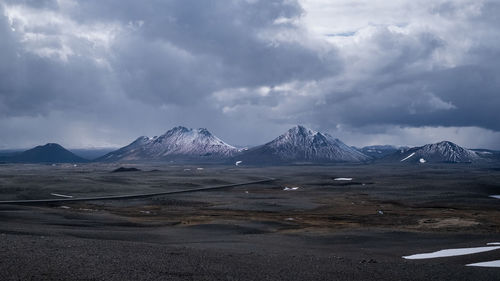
x,y
49,153
179,144
441,152
300,144
492,155
381,151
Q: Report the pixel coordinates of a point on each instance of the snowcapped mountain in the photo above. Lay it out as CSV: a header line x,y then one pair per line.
x,y
179,143
49,153
300,144
444,152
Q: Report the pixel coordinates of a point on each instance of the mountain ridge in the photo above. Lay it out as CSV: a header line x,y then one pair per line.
x,y
300,144
440,152
48,153
178,143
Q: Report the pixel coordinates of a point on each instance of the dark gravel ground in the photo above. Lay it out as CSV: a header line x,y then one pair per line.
x,y
27,257
326,230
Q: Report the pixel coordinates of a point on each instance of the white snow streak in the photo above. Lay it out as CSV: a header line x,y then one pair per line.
x,y
495,263
61,195
451,253
408,157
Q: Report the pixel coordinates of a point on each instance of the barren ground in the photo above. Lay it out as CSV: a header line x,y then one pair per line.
x,y
324,230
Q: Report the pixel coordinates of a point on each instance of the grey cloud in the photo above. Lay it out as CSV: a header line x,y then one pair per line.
x,y
31,85
405,87
138,68
178,52
195,49
46,4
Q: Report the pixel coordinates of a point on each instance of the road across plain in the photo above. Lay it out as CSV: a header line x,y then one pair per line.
x,y
131,196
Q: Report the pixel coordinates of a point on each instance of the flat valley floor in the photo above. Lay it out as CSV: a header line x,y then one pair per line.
x,y
305,225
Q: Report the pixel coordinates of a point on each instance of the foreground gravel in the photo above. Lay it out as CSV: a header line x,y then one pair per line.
x,y
26,257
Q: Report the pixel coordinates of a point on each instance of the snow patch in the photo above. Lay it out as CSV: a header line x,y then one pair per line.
x,y
406,158
61,195
342,179
451,253
238,163
495,263
422,160
290,188
495,196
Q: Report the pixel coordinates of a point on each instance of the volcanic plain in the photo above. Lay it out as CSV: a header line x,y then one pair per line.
x,y
331,222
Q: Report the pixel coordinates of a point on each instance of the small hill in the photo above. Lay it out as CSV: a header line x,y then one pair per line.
x,y
49,153
124,169
441,152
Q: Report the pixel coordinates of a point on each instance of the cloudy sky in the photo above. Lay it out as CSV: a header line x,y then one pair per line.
x,y
99,73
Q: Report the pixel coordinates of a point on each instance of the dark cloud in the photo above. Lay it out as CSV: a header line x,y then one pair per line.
x,y
32,84
245,69
180,52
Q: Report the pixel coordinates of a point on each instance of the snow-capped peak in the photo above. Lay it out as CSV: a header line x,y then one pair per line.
x,y
444,151
302,144
299,129
175,143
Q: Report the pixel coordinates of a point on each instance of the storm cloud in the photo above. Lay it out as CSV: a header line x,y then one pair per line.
x,y
100,73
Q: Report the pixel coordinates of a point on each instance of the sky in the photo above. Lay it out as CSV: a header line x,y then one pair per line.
x,y
100,73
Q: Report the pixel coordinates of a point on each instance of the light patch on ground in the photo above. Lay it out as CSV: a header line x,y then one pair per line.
x,y
446,223
61,195
343,179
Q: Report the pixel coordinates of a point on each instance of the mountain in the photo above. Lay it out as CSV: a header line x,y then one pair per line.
x,y
488,154
380,151
49,153
300,144
441,152
179,144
